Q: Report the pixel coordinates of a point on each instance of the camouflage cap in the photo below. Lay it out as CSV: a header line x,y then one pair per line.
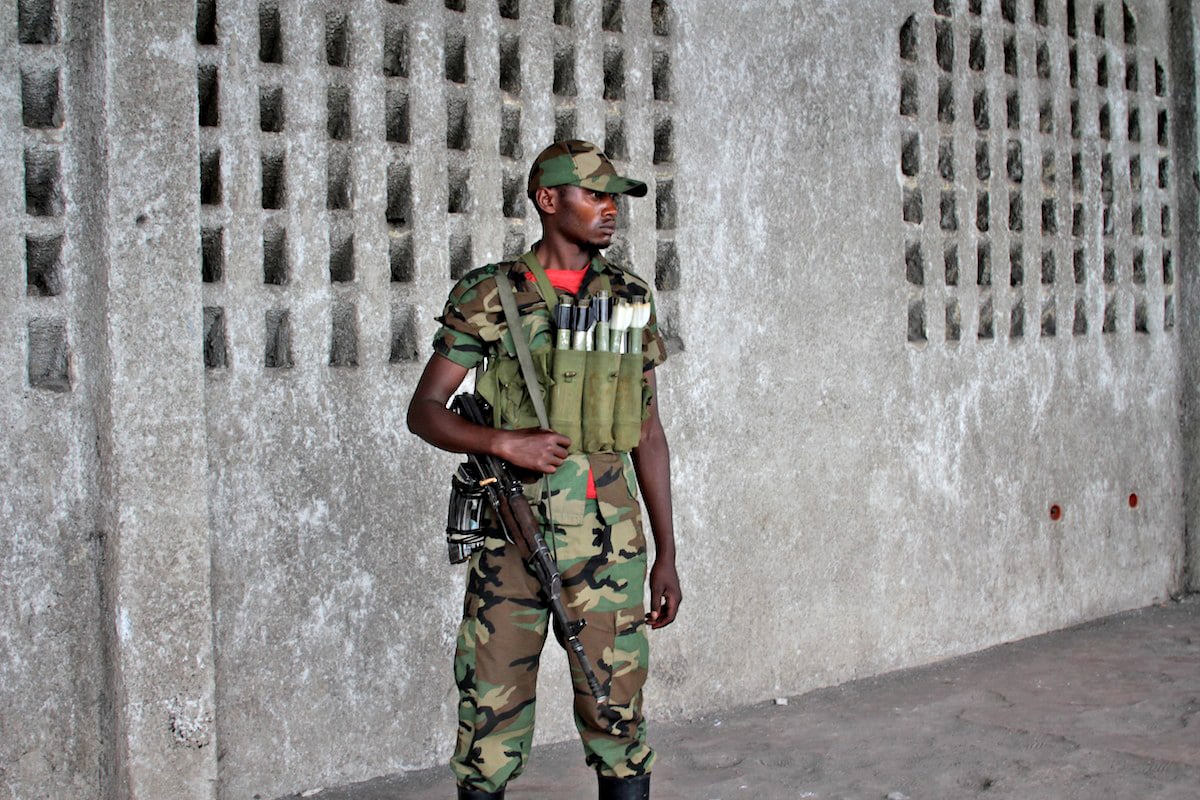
x,y
578,163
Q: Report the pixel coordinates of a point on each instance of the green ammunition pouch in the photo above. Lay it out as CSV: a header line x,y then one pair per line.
x,y
600,392
567,388
628,405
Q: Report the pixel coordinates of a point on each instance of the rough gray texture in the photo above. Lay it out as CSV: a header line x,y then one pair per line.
x,y
156,570
1187,178
243,271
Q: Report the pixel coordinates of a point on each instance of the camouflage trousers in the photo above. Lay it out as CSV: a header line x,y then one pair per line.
x,y
504,627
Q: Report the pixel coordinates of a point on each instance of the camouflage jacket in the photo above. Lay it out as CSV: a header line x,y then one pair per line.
x,y
473,329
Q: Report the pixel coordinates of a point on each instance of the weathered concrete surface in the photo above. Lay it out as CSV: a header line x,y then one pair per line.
x,y
846,500
157,592
1107,709
1184,35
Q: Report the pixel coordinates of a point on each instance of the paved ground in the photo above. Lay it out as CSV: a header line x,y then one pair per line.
x,y
1106,711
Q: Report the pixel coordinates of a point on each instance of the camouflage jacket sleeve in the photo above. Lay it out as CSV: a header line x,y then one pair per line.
x,y
654,349
472,320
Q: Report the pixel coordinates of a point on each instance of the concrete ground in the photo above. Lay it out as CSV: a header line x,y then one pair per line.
x,y
1110,709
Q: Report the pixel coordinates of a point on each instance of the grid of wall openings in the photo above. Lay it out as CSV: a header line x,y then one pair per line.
x,y
42,64
1035,166
341,112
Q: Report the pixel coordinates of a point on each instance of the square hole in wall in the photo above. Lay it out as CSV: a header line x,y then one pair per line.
x,y
216,351
399,194
510,131
400,256
276,266
510,63
455,56
908,94
950,264
395,49
953,321
916,322
458,122
458,195
914,264
1016,320
564,123
40,107
274,179
270,33
614,137
396,117
664,147
1079,326
337,38
49,361
36,22
337,113
660,75
614,73
208,93
270,109
563,77
210,176
983,264
278,340
987,320
1049,318
43,265
338,183
664,204
343,342
660,18
212,254
513,194
564,13
666,266
43,183
1110,315
460,254
612,15
341,253
405,340
206,22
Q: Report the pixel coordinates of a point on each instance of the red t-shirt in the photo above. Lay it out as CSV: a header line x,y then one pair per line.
x,y
569,281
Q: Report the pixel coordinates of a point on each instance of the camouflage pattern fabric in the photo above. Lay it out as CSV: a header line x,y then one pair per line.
x,y
579,163
599,546
504,627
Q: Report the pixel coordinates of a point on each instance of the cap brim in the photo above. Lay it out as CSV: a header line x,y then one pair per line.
x,y
615,184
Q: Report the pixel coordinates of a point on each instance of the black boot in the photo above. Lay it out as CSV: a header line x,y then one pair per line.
x,y
637,788
475,794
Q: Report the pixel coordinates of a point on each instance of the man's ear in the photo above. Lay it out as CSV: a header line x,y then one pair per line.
x,y
546,199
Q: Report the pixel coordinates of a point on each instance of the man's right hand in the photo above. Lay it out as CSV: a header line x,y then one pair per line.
x,y
532,448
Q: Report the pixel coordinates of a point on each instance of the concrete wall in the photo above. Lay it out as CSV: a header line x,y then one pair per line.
x,y
1183,35
206,385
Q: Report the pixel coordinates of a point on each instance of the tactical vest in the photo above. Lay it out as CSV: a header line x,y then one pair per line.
x,y
596,399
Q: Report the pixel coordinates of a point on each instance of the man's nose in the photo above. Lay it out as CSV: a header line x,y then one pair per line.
x,y
610,206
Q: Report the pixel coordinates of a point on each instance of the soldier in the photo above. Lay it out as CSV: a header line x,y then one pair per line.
x,y
585,500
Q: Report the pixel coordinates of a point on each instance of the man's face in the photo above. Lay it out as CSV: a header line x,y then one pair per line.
x,y
586,216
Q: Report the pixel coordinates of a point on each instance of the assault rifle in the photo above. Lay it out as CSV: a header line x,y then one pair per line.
x,y
507,499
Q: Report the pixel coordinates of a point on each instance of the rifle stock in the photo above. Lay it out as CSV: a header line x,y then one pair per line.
x,y
507,498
